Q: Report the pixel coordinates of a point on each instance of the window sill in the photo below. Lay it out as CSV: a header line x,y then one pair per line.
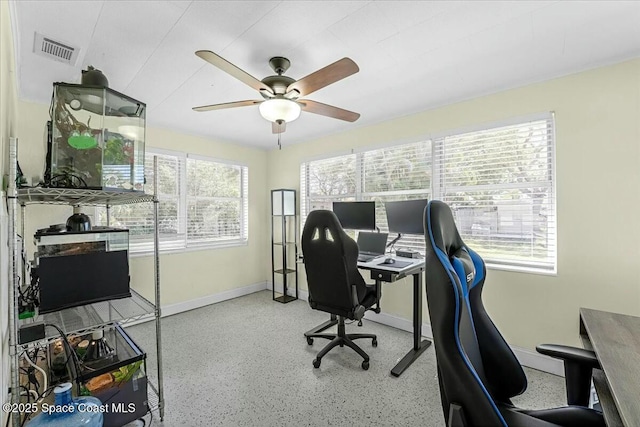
x,y
171,251
521,269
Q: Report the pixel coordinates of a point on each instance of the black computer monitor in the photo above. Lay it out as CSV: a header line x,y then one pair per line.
x,y
73,280
406,216
356,215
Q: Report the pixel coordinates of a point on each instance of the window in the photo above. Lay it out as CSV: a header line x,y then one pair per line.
x,y
401,172
498,181
216,201
202,203
326,181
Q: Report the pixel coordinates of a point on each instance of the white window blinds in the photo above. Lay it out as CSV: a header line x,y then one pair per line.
x,y
499,184
138,217
324,181
215,201
401,172
202,202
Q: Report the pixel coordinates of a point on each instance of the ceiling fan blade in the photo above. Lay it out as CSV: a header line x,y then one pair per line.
x,y
226,105
278,127
324,76
231,69
328,110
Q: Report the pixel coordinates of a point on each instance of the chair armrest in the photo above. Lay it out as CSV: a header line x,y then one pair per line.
x,y
358,310
578,368
570,354
456,416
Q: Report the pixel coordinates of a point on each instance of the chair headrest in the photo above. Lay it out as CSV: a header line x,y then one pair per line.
x,y
442,227
323,218
449,246
322,226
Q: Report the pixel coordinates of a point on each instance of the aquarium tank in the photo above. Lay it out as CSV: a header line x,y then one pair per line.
x,y
97,139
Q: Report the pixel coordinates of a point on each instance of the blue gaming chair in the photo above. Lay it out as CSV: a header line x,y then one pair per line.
x,y
478,373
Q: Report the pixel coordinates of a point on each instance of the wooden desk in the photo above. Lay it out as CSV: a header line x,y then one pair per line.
x,y
615,338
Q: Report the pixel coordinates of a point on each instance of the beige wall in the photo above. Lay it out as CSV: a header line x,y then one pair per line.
x,y
598,188
8,84
598,198
8,114
187,275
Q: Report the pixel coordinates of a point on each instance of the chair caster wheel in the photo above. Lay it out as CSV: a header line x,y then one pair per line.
x,y
377,310
309,340
316,363
365,365
360,323
374,342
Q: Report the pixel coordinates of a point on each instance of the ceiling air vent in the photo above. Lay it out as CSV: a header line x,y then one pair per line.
x,y
55,50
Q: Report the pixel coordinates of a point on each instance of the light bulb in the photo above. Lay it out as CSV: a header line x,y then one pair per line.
x,y
280,109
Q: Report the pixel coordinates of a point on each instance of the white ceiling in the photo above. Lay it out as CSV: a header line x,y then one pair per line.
x,y
413,55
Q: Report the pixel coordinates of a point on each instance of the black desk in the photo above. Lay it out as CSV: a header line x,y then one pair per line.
x,y
389,274
615,338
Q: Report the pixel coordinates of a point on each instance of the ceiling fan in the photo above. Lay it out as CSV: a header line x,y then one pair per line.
x,y
282,103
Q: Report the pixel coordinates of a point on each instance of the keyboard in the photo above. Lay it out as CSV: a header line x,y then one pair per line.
x,y
367,257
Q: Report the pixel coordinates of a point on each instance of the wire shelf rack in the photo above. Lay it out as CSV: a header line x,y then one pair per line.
x,y
86,318
79,196
152,397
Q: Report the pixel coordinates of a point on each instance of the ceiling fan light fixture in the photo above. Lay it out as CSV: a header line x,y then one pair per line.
x,y
280,109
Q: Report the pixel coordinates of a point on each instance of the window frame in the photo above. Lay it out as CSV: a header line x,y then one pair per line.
x,y
243,199
435,190
183,243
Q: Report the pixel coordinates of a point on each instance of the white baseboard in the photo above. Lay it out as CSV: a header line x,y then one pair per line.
x,y
291,290
181,307
539,361
171,309
525,356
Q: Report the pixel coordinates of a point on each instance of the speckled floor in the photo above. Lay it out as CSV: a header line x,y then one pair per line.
x,y
245,362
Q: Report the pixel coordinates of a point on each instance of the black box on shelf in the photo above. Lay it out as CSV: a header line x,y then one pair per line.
x,y
407,253
31,332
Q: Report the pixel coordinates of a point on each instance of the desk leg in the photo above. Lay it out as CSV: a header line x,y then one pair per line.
x,y
326,325
378,296
419,345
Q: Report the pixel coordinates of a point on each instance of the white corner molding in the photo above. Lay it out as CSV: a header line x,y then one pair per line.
x,y
535,360
180,307
291,290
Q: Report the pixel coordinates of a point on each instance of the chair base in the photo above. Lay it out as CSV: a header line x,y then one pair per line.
x,y
333,320
341,339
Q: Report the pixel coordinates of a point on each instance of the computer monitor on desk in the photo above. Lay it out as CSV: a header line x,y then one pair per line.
x,y
356,215
405,217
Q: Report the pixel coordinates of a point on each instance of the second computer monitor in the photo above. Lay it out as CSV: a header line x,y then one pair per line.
x,y
356,215
406,216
